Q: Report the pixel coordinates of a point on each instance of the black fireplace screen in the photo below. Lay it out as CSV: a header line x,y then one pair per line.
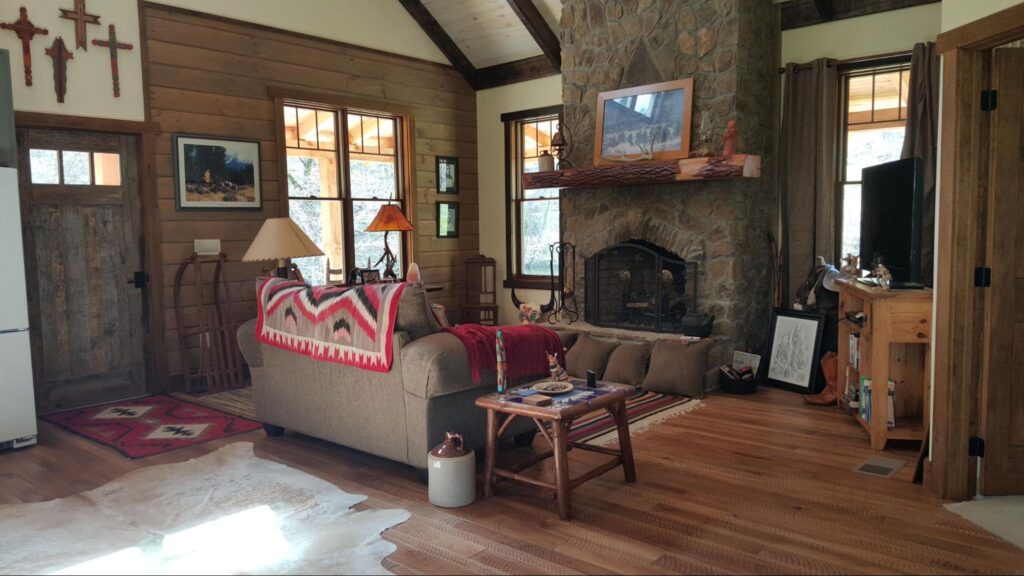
x,y
641,286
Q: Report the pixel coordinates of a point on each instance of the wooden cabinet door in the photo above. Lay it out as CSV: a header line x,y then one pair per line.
x,y
1002,408
81,219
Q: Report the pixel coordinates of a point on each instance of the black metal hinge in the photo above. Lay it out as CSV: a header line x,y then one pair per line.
x,y
982,277
140,279
976,447
989,100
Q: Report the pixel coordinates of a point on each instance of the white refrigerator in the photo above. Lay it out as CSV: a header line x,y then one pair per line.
x,y
17,400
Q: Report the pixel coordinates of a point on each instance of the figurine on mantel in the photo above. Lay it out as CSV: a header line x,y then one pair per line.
x,y
729,138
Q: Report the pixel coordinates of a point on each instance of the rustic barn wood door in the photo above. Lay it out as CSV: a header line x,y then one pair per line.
x,y
1002,409
81,218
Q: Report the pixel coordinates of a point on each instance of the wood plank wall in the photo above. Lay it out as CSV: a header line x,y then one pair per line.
x,y
210,75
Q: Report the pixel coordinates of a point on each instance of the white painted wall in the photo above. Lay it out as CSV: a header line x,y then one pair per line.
x,y
959,12
892,31
490,105
89,91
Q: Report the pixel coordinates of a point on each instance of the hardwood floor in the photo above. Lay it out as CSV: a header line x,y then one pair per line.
x,y
756,484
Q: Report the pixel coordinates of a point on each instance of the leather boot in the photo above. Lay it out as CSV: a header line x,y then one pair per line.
x,y
830,369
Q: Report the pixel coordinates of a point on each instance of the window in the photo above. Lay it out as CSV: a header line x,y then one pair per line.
x,y
74,168
337,181
533,215
874,122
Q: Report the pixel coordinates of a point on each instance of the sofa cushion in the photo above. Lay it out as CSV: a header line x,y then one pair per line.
x,y
438,365
414,314
678,367
627,363
589,353
568,337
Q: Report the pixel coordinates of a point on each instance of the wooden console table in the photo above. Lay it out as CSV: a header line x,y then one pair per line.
x,y
500,414
895,344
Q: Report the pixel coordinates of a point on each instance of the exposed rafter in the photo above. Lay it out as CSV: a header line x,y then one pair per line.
x,y
534,22
800,13
825,9
441,39
517,71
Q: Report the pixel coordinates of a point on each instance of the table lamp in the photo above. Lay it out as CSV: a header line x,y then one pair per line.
x,y
280,239
389,219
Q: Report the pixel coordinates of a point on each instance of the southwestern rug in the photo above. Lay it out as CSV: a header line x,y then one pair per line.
x,y
644,410
142,427
228,512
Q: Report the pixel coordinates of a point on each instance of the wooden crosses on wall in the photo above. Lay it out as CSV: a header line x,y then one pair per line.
x,y
59,52
112,43
81,18
25,30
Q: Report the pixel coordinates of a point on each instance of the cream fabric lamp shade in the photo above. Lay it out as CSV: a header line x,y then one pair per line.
x,y
280,239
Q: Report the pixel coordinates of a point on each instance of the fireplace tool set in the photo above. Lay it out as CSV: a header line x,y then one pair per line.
x,y
562,302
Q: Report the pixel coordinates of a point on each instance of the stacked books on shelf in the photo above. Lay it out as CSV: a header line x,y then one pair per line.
x,y
855,350
864,406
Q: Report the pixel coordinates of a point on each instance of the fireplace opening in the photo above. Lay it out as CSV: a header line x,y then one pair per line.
x,y
639,285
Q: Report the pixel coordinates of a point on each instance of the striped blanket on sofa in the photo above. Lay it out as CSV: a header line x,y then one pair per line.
x,y
352,326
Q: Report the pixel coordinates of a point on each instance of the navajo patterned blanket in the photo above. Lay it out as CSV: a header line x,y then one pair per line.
x,y
352,326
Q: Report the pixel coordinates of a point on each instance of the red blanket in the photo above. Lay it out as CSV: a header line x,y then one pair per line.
x,y
526,348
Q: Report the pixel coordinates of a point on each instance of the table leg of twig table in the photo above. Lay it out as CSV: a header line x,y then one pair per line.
x,y
621,418
560,435
492,446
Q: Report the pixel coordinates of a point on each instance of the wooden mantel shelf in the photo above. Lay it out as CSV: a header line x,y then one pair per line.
x,y
652,172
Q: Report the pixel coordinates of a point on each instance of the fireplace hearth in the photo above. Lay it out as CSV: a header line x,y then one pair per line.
x,y
639,285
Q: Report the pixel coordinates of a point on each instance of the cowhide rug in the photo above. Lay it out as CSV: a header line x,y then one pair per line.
x,y
226,512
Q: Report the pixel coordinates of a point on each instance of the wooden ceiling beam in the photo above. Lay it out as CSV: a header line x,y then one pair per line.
x,y
517,71
800,13
441,39
538,27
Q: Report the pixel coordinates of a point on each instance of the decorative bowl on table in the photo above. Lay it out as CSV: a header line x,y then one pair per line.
x,y
553,387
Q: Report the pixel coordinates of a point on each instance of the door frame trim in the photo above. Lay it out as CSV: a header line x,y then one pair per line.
x,y
145,135
962,231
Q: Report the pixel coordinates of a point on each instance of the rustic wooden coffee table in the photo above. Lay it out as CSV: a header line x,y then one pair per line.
x,y
559,416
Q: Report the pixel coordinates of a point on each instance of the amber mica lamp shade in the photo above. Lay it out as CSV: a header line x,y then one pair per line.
x,y
389,219
280,239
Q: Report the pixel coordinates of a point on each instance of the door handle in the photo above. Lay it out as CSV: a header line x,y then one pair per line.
x,y
140,279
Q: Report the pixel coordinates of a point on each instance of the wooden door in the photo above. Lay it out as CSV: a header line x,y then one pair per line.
x,y
83,244
1002,408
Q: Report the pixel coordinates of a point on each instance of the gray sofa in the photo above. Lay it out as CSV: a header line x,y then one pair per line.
x,y
399,415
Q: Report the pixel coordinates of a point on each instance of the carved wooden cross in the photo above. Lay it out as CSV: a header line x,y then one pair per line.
x,y
59,52
112,43
81,18
25,30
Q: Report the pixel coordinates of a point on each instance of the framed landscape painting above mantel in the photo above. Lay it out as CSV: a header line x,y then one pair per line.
x,y
649,122
213,173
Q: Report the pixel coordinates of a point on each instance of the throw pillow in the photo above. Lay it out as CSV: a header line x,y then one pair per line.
x,y
414,314
589,353
627,363
678,367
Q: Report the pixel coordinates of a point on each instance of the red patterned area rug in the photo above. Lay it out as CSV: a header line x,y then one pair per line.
x,y
145,426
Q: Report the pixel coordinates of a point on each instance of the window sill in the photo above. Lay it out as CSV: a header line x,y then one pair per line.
x,y
531,282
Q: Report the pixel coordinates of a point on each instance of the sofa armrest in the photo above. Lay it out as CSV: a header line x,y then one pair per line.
x,y
250,348
437,365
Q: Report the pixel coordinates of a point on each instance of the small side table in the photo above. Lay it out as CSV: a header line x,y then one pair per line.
x,y
559,418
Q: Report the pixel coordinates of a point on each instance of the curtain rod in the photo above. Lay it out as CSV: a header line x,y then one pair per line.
x,y
863,61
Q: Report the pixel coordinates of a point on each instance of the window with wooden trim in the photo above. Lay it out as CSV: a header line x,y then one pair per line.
x,y
341,166
873,125
533,216
74,168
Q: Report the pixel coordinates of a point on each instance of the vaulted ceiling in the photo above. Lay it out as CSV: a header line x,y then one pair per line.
x,y
497,42
494,42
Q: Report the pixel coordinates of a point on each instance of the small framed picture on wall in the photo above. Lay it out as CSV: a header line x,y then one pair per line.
x,y
447,175
216,173
447,219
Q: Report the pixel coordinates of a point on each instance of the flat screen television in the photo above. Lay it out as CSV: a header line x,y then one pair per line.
x,y
892,198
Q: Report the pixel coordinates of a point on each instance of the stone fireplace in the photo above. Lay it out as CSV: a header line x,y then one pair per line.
x,y
641,286
719,229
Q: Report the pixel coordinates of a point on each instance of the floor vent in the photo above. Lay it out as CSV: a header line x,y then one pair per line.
x,y
882,467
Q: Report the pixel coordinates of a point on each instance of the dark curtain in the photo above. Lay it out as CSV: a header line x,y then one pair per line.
x,y
921,139
807,178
